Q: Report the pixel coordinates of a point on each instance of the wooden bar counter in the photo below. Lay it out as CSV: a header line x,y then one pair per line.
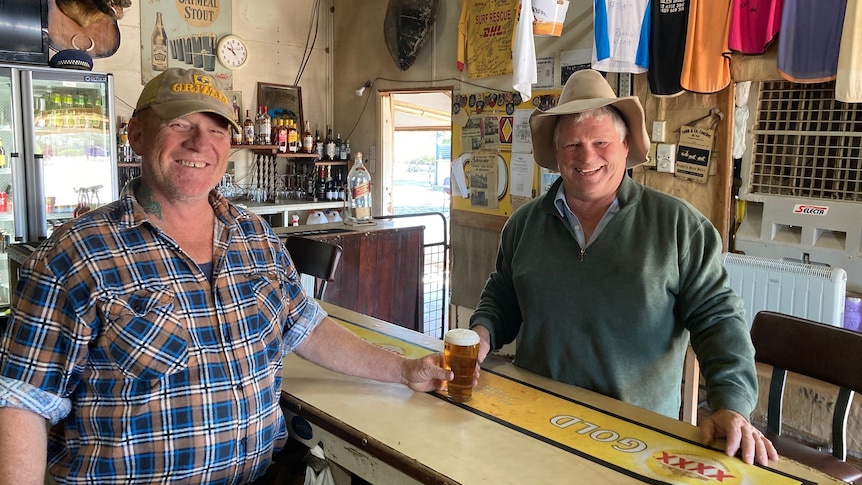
x,y
387,434
380,273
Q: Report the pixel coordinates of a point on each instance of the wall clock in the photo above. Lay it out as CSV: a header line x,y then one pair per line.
x,y
232,51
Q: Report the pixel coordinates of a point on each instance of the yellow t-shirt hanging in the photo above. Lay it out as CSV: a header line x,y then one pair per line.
x,y
485,32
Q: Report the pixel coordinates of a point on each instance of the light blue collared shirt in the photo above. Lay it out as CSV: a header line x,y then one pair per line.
x,y
563,208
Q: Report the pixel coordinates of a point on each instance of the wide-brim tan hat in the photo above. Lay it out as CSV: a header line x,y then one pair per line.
x,y
585,90
177,92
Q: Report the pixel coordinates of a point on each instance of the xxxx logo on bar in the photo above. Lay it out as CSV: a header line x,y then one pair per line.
x,y
680,465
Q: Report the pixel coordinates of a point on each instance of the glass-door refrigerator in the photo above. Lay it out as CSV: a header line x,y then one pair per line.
x,y
57,129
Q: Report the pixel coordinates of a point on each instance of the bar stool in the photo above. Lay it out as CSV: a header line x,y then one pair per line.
x,y
819,351
314,258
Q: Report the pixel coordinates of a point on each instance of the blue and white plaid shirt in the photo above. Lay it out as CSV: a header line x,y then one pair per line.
x,y
152,373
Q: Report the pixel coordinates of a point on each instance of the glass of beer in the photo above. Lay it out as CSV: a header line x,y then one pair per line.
x,y
460,353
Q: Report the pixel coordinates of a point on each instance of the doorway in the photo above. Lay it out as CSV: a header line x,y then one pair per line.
x,y
417,142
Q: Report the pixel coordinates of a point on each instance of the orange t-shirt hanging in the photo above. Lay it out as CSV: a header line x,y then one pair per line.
x,y
706,67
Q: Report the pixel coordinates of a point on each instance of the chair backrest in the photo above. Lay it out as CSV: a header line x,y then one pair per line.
x,y
823,352
315,258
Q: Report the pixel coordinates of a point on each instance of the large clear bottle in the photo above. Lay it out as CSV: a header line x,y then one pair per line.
x,y
358,192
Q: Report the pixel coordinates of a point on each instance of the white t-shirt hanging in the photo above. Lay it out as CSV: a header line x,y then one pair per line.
x,y
524,53
621,35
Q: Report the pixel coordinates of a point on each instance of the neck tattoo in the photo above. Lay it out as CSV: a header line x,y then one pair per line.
x,y
148,203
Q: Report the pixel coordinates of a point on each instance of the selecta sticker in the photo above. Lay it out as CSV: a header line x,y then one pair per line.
x,y
814,210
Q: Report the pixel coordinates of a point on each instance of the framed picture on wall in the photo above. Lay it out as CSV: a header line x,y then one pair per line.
x,y
281,101
235,97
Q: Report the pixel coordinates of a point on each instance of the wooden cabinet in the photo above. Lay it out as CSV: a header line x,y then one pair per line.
x,y
380,273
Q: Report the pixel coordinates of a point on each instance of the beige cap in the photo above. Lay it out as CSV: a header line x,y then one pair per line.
x,y
180,92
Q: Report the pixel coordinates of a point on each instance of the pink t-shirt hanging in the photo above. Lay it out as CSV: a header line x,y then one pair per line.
x,y
754,24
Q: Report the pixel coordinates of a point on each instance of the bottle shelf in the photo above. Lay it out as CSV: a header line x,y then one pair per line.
x,y
273,150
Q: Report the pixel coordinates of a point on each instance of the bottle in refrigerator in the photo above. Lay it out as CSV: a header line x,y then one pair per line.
x,y
359,192
160,45
2,155
124,149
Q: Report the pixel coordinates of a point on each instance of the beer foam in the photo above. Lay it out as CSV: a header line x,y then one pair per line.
x,y
462,336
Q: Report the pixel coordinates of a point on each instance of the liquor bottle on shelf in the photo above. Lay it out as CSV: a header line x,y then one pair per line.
x,y
281,139
293,141
307,139
339,183
236,136
159,45
273,130
359,192
264,126
248,129
338,143
318,145
330,145
330,184
320,186
345,150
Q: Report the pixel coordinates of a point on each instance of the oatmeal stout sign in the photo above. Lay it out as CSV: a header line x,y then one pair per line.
x,y
184,33
199,13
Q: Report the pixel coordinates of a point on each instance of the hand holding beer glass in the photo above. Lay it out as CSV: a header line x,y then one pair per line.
x,y
460,353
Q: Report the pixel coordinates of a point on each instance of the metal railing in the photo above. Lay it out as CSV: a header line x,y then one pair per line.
x,y
435,275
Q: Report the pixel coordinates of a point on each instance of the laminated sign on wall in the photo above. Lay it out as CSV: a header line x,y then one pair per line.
x,y
693,153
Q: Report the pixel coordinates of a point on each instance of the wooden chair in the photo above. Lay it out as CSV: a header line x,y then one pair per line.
x,y
314,258
823,352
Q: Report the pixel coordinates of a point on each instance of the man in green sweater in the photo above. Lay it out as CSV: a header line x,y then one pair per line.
x,y
603,281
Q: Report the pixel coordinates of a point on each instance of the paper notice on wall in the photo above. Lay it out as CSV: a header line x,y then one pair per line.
x,y
471,134
483,180
491,133
458,181
523,168
522,141
572,61
545,73
693,153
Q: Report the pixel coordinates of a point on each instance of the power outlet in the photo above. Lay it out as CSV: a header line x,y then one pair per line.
x,y
665,154
659,131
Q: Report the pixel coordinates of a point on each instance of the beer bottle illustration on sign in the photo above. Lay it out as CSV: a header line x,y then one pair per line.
x,y
160,45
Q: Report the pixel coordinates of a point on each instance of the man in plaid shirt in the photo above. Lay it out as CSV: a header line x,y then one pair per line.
x,y
150,332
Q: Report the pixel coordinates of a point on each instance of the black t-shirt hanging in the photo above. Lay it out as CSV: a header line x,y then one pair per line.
x,y
668,26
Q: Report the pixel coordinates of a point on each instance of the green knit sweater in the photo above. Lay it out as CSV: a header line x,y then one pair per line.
x,y
616,317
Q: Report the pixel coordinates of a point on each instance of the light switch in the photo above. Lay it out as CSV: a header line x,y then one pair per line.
x,y
659,131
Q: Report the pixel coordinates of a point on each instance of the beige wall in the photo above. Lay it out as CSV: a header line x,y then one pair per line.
x,y
276,38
